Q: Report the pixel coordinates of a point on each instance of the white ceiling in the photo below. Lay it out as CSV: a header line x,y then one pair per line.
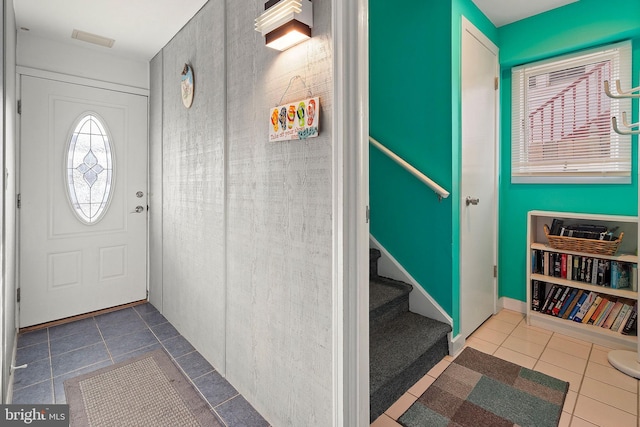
x,y
142,27
502,12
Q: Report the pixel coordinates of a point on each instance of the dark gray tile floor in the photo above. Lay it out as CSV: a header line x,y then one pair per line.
x,y
61,352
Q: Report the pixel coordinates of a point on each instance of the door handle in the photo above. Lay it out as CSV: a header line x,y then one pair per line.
x,y
138,209
472,201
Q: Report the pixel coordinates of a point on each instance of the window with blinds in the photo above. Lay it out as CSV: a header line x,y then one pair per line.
x,y
561,118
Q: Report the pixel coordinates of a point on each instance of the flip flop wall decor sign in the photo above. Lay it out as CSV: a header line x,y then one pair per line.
x,y
295,120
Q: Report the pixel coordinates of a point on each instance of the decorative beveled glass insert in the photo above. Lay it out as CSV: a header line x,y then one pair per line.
x,y
89,169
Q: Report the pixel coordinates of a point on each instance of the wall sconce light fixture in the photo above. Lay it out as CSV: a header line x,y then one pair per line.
x,y
285,23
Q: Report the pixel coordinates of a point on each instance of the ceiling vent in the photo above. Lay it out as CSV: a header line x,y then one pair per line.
x,y
92,38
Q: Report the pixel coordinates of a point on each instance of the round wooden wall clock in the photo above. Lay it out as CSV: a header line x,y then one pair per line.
x,y
186,83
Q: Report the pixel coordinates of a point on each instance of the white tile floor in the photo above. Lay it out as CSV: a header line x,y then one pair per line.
x,y
599,395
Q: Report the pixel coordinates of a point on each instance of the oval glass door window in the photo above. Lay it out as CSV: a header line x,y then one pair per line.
x,y
90,169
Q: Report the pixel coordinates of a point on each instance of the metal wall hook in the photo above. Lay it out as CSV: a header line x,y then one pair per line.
x,y
614,123
631,93
626,123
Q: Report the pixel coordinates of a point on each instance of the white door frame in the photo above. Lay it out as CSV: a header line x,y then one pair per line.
x,y
350,202
467,26
65,78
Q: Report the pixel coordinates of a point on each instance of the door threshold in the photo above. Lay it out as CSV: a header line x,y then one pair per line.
x,y
81,316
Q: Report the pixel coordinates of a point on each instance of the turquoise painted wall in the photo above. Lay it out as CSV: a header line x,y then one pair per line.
x,y
410,105
573,27
414,110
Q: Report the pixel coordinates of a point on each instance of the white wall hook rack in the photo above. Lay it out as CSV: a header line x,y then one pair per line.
x,y
632,93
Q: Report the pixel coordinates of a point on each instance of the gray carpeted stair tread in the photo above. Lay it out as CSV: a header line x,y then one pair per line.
x,y
403,346
396,345
383,291
387,300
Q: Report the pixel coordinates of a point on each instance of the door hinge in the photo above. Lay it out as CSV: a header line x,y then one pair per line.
x,y
19,106
19,200
18,294
147,294
495,271
368,214
496,83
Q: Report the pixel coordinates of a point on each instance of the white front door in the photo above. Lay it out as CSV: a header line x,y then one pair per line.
x,y
83,199
478,185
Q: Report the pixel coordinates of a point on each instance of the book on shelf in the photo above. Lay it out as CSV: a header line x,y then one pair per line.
x,y
586,305
592,309
556,226
554,299
556,308
582,267
563,266
585,231
596,314
549,297
557,264
545,263
631,326
575,274
620,275
634,277
569,267
603,272
575,305
537,288
571,296
612,315
605,312
588,269
624,314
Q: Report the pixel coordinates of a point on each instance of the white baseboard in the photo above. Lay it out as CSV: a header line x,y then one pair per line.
x,y
420,301
456,344
512,304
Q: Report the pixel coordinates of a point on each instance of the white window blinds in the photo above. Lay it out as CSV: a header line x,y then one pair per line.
x,y
561,118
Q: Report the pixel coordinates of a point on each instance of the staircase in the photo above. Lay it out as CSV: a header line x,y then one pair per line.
x,y
403,346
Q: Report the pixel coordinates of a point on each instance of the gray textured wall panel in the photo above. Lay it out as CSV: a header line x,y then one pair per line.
x,y
275,301
193,185
279,226
155,182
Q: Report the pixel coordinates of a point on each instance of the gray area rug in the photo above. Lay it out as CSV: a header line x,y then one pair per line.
x,y
148,390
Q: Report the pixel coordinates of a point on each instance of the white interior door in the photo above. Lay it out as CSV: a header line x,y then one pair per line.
x,y
82,245
478,216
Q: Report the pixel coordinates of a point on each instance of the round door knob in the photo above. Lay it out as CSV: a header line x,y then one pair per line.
x,y
472,201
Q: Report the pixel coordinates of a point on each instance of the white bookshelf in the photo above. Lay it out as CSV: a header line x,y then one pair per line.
x,y
627,252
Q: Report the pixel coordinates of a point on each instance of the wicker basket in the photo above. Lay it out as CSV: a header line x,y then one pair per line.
x,y
591,246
